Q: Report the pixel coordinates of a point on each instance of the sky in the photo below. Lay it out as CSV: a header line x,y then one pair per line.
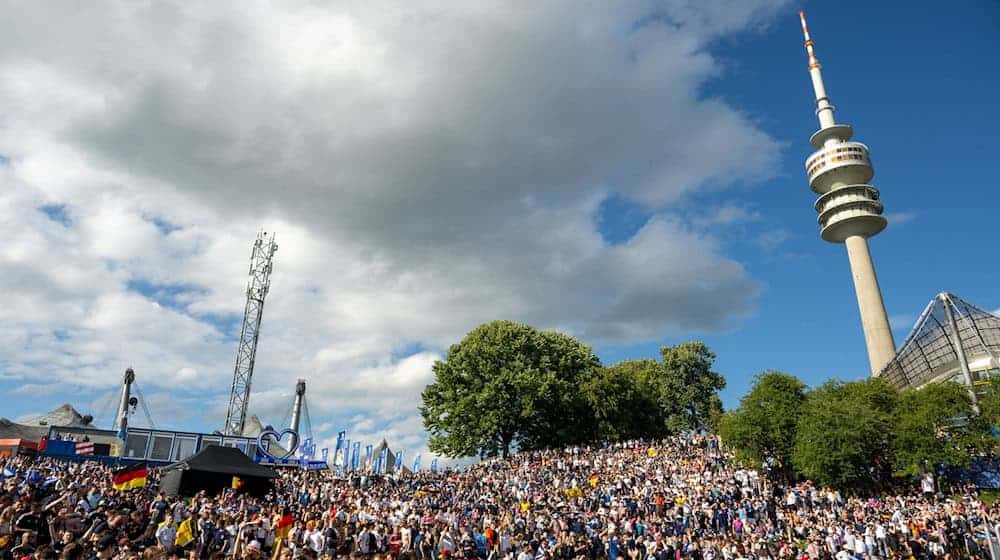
x,y
630,173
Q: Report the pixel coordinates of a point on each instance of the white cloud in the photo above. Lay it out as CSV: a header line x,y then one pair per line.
x,y
726,215
899,218
771,239
426,168
901,322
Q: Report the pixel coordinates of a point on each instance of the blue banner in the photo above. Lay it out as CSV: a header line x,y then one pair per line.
x,y
416,463
346,456
326,454
341,436
434,465
369,460
292,461
304,449
356,456
397,463
383,460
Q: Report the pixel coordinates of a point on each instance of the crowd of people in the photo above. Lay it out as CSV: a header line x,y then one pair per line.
x,y
676,499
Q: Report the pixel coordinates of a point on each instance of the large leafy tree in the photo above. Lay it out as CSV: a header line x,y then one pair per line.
x,y
845,432
508,385
934,425
687,389
624,400
763,426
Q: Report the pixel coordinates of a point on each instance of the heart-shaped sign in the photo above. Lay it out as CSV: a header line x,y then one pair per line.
x,y
272,435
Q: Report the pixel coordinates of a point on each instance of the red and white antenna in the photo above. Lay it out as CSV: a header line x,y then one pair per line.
x,y
824,109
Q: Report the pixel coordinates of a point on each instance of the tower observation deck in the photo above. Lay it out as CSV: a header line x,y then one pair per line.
x,y
850,209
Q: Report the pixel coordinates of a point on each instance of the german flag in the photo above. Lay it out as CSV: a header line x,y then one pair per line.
x,y
129,477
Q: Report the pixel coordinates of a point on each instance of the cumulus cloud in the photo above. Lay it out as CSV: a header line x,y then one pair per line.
x,y
427,168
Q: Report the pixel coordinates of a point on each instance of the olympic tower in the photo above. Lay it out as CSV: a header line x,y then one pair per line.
x,y
850,210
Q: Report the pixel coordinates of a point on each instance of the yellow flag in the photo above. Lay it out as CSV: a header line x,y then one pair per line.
x,y
184,533
652,452
237,483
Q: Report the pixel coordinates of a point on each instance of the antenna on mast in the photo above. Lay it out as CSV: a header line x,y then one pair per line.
x,y
813,61
824,109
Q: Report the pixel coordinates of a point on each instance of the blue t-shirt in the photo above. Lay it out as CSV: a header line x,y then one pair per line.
x,y
613,549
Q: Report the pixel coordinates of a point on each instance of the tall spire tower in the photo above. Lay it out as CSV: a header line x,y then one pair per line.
x,y
850,210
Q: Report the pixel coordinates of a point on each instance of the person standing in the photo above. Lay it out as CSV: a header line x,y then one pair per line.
x,y
166,533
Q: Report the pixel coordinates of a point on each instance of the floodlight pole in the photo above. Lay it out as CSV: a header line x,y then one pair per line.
x,y
300,393
121,422
960,351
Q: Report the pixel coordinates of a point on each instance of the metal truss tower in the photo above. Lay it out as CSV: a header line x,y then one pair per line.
x,y
260,281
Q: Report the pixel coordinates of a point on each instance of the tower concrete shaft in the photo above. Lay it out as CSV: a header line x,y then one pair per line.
x,y
850,209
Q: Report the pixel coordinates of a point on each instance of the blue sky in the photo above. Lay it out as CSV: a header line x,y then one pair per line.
x,y
915,85
431,170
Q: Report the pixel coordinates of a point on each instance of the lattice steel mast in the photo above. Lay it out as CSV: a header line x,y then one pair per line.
x,y
260,281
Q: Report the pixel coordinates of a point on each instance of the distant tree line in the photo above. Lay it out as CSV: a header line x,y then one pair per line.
x,y
858,434
507,386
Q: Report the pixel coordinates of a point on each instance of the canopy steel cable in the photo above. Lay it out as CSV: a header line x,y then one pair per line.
x,y
145,409
305,414
104,406
287,417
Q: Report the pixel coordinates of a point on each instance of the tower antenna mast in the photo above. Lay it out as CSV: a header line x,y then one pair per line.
x,y
850,209
260,281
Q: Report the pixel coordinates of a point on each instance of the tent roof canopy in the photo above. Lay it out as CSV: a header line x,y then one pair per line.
x,y
223,460
928,355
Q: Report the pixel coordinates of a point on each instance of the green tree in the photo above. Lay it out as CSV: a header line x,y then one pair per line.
x,y
509,385
989,402
934,425
764,425
687,388
624,401
845,432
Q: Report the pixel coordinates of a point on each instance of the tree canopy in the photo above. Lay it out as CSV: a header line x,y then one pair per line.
x,y
933,426
763,427
509,386
688,390
624,400
855,434
845,432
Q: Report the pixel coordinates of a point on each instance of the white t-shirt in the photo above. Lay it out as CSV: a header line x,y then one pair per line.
x,y
315,541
